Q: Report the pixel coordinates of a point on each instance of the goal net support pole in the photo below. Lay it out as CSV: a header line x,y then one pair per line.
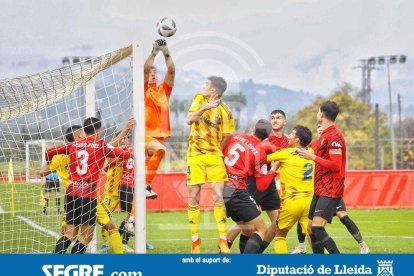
x,y
138,110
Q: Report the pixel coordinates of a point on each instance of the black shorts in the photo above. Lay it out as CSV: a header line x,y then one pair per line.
x,y
341,206
324,207
268,200
80,210
126,195
240,206
52,185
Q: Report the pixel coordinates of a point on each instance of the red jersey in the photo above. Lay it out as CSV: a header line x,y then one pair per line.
x,y
315,144
279,142
128,174
329,173
244,156
87,157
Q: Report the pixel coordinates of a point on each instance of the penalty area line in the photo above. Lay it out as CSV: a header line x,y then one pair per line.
x,y
37,226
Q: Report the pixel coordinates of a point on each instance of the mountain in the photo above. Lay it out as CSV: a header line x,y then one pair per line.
x,y
261,98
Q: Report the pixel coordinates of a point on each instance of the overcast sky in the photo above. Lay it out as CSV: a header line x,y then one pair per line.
x,y
303,45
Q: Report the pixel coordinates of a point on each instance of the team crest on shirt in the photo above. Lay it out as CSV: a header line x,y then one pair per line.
x,y
336,145
217,119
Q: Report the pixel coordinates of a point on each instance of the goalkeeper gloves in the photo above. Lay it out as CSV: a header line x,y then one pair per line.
x,y
160,45
164,50
156,47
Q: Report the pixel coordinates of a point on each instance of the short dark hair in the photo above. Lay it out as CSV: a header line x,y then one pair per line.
x,y
219,83
330,109
304,134
276,111
262,129
69,134
91,124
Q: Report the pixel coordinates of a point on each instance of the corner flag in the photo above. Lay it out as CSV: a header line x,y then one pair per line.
x,y
10,175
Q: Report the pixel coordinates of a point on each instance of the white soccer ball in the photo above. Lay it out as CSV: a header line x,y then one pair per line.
x,y
166,27
130,227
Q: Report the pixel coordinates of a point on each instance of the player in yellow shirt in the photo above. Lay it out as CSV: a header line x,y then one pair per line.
x,y
113,179
297,180
113,170
211,123
114,166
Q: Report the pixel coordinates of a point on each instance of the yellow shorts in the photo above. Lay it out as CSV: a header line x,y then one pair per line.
x,y
111,201
102,215
206,167
292,211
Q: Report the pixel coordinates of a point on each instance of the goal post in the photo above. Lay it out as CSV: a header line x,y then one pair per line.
x,y
36,110
139,147
35,157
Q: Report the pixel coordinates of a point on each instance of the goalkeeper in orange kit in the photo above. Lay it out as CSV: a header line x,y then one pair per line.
x,y
157,110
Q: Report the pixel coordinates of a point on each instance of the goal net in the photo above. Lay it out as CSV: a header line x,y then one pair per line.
x,y
35,111
35,152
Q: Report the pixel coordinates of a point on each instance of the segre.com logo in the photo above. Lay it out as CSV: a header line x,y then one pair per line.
x,y
73,270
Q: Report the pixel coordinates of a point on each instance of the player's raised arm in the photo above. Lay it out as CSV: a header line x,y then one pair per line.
x,y
112,152
130,124
170,76
148,65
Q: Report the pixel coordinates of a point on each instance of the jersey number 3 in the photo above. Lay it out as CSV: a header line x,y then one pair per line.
x,y
82,167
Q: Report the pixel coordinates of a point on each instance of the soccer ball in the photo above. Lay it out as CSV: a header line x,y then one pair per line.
x,y
130,227
166,27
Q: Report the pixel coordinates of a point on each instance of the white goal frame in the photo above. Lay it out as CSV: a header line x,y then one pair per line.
x,y
41,143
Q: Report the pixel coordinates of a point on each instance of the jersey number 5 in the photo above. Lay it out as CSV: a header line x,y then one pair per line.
x,y
234,155
82,167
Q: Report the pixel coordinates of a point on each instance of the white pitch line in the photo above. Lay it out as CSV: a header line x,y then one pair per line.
x,y
335,237
179,226
38,227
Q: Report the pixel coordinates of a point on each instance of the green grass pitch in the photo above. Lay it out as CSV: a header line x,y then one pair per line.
x,y
384,230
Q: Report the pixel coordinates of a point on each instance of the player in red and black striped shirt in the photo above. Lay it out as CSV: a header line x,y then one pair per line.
x,y
268,200
340,210
245,156
330,159
87,157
